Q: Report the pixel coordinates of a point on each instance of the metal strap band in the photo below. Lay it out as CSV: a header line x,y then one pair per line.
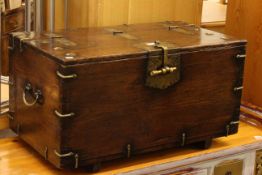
x,y
238,88
13,35
241,56
165,50
234,123
58,114
65,76
70,154
63,155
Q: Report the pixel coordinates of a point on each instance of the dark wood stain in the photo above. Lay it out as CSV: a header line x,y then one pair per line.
x,y
113,107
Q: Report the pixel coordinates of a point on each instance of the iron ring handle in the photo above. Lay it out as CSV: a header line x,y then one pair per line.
x,y
37,95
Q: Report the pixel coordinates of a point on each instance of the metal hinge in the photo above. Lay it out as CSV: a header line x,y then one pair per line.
x,y
165,69
12,43
70,154
185,29
122,34
21,43
22,36
229,126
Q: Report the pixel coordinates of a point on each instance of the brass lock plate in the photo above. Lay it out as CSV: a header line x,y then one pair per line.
x,y
231,167
163,77
163,71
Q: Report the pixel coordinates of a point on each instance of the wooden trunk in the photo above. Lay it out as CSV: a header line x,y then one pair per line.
x,y
86,96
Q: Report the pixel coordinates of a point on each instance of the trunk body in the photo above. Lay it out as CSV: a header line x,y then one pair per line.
x,y
95,103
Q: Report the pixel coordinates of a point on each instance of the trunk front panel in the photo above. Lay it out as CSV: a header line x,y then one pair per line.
x,y
115,109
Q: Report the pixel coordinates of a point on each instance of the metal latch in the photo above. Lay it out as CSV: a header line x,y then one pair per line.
x,y
165,68
163,71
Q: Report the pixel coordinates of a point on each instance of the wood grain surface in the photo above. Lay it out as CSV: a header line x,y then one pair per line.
x,y
109,96
244,20
83,13
16,158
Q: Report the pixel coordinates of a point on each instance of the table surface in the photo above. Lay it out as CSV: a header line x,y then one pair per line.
x,y
16,158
